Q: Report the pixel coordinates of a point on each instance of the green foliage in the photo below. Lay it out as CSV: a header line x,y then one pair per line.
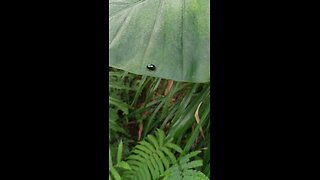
x,y
114,168
184,169
155,158
154,106
176,108
171,101
173,35
151,157
116,104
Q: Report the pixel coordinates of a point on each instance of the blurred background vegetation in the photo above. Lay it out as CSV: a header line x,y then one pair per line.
x,y
177,113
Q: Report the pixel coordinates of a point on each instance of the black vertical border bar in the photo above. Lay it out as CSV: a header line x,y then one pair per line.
x,y
217,82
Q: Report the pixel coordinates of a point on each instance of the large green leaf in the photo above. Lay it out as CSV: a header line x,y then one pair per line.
x,y
171,34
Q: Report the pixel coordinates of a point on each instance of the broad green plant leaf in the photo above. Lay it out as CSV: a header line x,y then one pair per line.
x,y
172,35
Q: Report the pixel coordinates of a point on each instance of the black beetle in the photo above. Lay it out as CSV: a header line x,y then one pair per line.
x,y
151,67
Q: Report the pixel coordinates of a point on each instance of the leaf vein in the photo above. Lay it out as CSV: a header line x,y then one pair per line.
x,y
126,8
153,30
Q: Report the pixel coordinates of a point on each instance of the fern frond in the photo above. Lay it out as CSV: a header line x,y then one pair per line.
x,y
184,169
151,157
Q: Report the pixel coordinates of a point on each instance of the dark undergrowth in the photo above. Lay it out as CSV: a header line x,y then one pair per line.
x,y
159,129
